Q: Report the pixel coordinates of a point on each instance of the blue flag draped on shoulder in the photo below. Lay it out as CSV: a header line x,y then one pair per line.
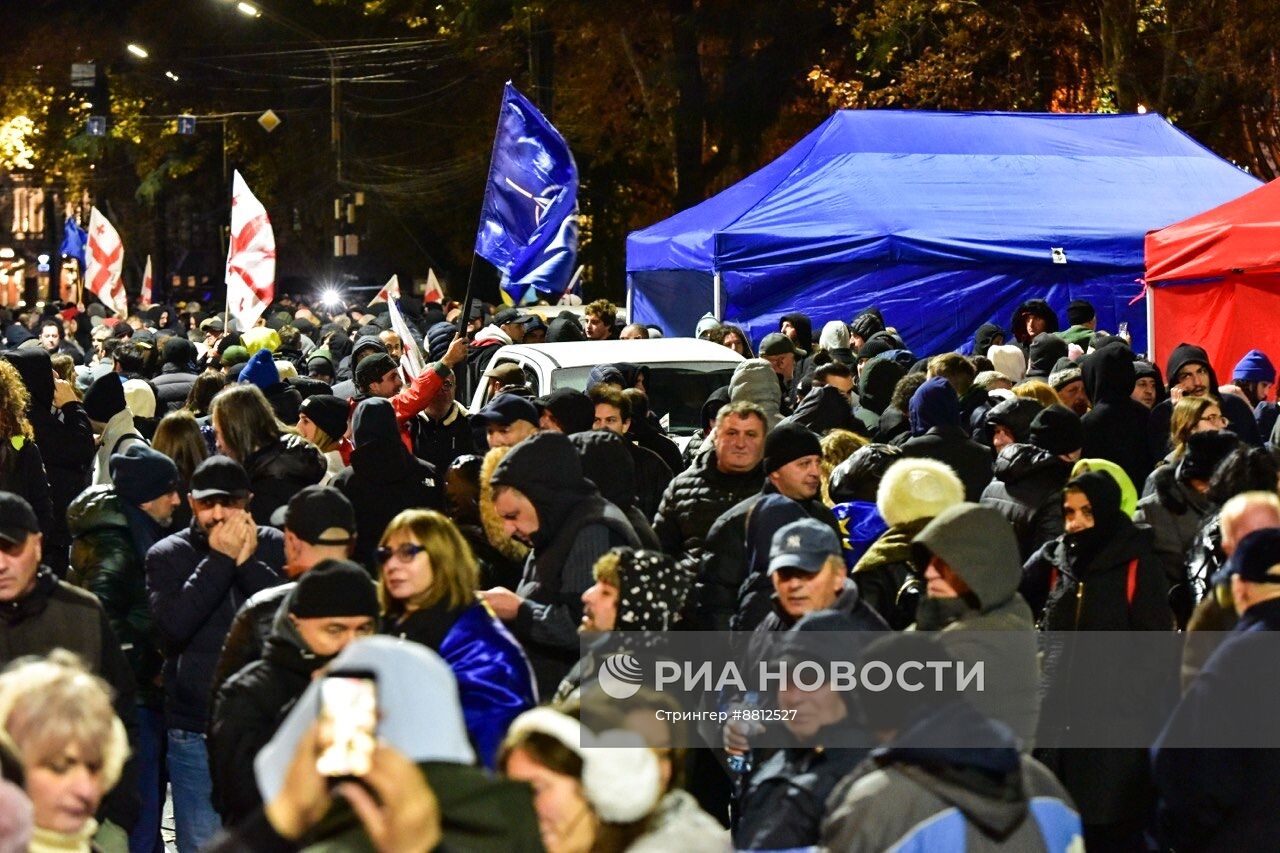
x,y
74,239
529,224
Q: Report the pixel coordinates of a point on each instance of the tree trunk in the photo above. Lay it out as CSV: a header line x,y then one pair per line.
x,y
1118,35
690,105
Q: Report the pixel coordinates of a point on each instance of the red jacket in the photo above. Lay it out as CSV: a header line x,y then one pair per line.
x,y
411,400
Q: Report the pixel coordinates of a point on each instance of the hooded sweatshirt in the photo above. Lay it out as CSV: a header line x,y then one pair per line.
x,y
1045,350
1115,428
607,463
875,389
754,381
346,386
1236,410
986,336
384,478
979,546
804,329
575,527
936,434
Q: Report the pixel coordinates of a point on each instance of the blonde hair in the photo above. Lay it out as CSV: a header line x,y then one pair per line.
x,y
1038,390
606,568
837,446
48,703
14,401
455,575
1187,412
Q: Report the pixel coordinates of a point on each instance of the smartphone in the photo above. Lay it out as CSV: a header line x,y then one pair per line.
x,y
348,718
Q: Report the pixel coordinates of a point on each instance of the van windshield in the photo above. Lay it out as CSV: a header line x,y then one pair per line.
x,y
676,390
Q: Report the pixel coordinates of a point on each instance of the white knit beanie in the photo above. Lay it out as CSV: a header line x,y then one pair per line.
x,y
916,488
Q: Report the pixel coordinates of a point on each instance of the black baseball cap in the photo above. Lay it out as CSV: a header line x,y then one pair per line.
x,y
1254,558
507,315
219,476
506,409
18,519
320,515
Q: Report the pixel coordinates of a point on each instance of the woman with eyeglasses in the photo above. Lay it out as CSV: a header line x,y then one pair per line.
x,y
427,587
1192,415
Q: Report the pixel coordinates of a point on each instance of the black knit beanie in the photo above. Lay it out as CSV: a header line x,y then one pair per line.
x,y
1058,430
335,588
105,398
788,442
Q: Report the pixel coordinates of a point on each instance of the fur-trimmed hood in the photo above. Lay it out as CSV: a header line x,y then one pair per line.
x,y
504,544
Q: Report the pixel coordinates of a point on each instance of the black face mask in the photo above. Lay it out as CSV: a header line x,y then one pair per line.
x,y
1083,547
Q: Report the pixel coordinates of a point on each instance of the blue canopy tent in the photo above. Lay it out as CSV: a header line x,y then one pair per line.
x,y
944,221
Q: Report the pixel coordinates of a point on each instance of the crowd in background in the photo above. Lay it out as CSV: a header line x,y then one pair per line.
x,y
196,523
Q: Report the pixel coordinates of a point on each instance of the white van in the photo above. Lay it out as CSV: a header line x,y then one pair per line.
x,y
682,372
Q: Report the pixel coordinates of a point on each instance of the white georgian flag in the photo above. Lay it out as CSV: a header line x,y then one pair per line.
x,y
251,259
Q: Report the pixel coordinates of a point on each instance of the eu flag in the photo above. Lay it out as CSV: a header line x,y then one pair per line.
x,y
74,239
528,224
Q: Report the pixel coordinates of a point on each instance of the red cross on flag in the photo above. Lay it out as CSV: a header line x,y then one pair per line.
x,y
144,295
104,258
251,259
390,290
434,292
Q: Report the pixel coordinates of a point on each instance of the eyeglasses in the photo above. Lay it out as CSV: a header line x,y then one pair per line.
x,y
405,552
1215,419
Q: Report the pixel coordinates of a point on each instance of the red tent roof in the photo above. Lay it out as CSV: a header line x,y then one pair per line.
x,y
1241,236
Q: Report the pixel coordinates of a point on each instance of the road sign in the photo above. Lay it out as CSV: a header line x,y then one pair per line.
x,y
97,126
186,125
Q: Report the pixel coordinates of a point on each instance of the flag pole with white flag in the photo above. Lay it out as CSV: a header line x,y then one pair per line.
x,y
144,296
104,259
412,361
251,257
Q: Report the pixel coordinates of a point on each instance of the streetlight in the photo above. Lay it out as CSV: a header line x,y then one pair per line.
x,y
248,10
137,50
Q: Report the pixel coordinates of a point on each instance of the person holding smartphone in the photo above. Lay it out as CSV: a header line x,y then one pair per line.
x,y
330,606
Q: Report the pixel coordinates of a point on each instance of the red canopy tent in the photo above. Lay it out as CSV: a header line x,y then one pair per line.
x,y
1214,280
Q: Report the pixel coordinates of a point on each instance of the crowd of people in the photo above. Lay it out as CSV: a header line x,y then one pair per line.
x,y
197,524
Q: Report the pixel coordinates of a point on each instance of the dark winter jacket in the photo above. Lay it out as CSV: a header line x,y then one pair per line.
x,y
887,576
1027,490
1222,800
22,472
825,408
67,448
194,593
1175,512
1116,427
575,527
495,681
912,795
1043,353
444,440
876,381
692,503
247,637
728,560
57,615
1111,786
980,548
172,385
248,709
951,445
384,479
109,544
279,471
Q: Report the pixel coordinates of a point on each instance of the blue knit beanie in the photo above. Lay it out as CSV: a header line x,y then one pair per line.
x,y
261,370
1254,367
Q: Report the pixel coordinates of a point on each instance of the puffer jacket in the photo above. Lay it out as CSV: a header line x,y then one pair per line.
x,y
107,559
173,384
1175,512
194,594
279,471
1027,491
692,503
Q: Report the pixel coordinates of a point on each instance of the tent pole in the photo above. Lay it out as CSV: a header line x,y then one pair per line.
x,y
629,288
1151,323
717,307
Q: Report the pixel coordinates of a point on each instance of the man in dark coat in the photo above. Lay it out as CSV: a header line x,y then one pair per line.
x,y
177,375
1223,799
330,606
613,412
1191,375
1027,482
792,465
39,613
545,502
66,441
716,480
113,528
1032,318
196,580
937,434
1116,427
384,478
